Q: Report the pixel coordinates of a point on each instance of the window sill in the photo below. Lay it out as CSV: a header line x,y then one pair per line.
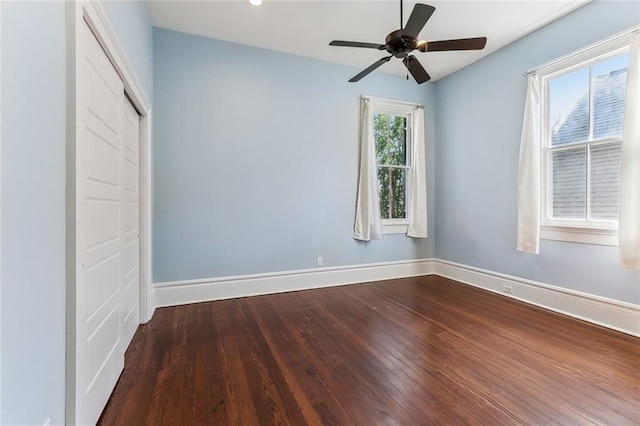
x,y
597,236
394,228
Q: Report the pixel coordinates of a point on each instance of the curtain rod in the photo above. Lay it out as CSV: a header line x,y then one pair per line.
x,y
373,98
625,33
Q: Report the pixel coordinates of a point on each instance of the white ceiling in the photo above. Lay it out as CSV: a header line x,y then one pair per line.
x,y
306,27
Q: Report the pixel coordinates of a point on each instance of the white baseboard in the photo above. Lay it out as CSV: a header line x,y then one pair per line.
x,y
620,316
151,307
193,291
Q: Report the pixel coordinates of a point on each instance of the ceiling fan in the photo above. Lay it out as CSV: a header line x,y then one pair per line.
x,y
400,43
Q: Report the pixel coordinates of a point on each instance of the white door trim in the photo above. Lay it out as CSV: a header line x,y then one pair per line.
x,y
95,16
0,210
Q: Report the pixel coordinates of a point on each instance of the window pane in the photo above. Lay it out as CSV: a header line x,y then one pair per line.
x,y
383,191
381,135
398,143
609,83
569,183
569,108
391,139
398,187
605,181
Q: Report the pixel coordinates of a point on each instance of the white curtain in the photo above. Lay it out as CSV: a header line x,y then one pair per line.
x,y
629,219
417,198
368,225
529,185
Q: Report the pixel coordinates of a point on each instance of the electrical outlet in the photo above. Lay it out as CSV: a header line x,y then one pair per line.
x,y
319,261
507,289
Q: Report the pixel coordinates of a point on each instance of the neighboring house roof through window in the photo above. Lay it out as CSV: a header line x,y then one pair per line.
x,y
608,111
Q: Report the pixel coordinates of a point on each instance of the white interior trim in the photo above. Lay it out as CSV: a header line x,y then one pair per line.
x,y
392,102
394,228
147,301
94,15
72,14
1,209
598,236
204,290
614,314
609,43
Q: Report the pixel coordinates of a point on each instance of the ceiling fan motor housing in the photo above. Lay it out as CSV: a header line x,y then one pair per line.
x,y
400,45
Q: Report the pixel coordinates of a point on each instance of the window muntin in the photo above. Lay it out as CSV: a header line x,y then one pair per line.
x,y
583,117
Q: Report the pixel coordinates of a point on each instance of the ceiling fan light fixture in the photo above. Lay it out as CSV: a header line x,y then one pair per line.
x,y
255,2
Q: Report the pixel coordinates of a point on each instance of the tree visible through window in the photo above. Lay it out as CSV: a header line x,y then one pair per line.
x,y
390,133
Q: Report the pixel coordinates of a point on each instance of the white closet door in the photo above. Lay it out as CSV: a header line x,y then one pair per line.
x,y
130,308
107,253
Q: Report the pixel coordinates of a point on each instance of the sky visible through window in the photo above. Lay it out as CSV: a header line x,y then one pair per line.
x,y
567,90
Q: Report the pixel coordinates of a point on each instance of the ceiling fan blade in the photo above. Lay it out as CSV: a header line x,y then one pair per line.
x,y
419,16
476,43
357,44
370,68
416,69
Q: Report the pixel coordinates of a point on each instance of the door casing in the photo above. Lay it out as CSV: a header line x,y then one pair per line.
x,y
93,14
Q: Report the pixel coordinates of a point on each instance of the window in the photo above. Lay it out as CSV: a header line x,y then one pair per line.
x,y
582,117
392,130
392,186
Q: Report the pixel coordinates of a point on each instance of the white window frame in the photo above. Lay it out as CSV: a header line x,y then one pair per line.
x,y
578,231
405,109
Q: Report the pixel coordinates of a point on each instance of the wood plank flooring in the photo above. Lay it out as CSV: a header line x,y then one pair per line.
x,y
413,351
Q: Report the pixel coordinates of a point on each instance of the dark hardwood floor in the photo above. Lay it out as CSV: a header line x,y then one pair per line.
x,y
404,352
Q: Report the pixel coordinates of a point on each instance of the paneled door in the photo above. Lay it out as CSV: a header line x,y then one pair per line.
x,y
107,229
130,229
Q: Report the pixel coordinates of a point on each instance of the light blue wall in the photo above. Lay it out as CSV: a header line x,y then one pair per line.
x,y
479,122
131,21
256,160
33,197
33,212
